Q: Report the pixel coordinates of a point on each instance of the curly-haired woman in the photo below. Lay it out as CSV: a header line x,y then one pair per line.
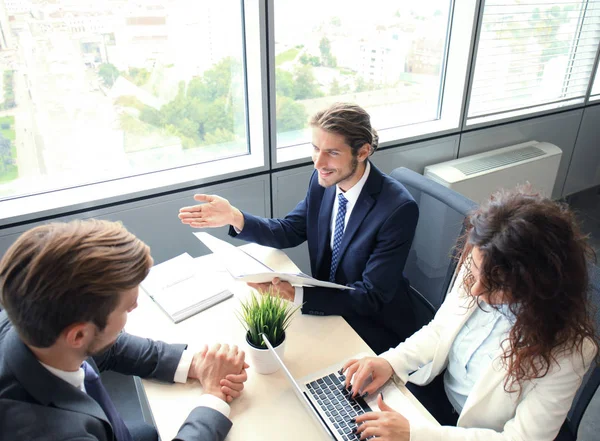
x,y
507,350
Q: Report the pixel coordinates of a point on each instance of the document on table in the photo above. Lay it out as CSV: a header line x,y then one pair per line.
x,y
242,266
184,286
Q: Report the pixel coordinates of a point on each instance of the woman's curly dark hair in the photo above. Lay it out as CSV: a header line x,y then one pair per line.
x,y
534,252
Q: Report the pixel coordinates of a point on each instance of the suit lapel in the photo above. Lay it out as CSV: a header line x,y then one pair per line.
x,y
43,386
489,379
324,224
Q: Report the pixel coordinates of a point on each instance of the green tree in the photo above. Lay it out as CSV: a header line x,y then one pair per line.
x,y
109,74
335,88
327,58
290,115
205,110
138,76
284,83
361,85
306,85
219,136
313,60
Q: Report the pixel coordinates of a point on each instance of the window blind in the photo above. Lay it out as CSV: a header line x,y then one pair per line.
x,y
533,55
595,93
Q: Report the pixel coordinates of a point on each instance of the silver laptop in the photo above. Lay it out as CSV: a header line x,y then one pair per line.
x,y
324,396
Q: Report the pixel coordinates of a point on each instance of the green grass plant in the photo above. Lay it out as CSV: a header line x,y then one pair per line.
x,y
266,313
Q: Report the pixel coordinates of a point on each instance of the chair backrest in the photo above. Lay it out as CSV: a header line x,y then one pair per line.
x,y
431,262
591,381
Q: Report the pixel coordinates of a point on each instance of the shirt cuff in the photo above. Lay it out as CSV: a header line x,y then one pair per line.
x,y
298,295
236,230
208,400
183,368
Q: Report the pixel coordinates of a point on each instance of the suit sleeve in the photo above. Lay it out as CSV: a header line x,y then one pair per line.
x,y
382,276
146,358
204,424
276,233
419,349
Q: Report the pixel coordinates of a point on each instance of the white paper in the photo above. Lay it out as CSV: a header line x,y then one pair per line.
x,y
246,268
183,286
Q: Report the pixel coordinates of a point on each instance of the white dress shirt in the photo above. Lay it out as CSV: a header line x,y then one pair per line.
x,y
473,349
351,196
207,400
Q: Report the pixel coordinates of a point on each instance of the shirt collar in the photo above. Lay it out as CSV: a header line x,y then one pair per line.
x,y
353,194
73,378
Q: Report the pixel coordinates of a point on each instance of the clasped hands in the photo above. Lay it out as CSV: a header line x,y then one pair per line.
x,y
221,370
386,425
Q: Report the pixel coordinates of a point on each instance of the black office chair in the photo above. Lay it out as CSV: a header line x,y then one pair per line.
x,y
432,259
591,381
128,394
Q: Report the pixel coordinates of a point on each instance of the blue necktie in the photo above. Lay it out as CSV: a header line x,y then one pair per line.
x,y
337,235
95,389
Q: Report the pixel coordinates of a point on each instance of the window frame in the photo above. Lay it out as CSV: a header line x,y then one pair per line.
x,y
453,89
519,114
77,198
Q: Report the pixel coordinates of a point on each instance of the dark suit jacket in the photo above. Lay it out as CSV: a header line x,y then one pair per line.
x,y
37,405
373,252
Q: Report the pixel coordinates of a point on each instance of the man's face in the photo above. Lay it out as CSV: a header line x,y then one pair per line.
x,y
115,323
334,160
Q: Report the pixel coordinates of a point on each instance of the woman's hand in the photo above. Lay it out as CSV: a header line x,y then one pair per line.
x,y
358,371
387,425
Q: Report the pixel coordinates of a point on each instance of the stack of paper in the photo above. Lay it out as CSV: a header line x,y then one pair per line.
x,y
184,286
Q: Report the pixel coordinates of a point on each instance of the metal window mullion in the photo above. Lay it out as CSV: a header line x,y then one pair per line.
x,y
478,24
574,49
593,76
270,69
442,84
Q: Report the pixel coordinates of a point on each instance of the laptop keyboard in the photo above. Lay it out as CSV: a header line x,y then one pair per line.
x,y
333,398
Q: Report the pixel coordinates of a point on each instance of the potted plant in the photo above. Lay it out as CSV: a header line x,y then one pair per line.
x,y
268,314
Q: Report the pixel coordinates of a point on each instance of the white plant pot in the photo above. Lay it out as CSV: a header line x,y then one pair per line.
x,y
262,361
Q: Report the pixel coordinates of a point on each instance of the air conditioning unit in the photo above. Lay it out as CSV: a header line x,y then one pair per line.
x,y
480,175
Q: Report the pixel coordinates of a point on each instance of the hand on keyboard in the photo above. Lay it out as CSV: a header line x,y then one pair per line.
x,y
358,372
387,425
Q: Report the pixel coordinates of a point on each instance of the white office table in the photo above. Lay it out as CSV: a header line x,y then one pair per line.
x,y
268,408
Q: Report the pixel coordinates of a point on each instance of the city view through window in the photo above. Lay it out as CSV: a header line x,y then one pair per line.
x,y
387,56
97,90
100,89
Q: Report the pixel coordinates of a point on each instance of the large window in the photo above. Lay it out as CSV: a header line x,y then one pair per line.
x,y
104,89
388,57
533,55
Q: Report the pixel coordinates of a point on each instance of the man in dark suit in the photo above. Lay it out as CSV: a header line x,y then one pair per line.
x,y
66,290
359,224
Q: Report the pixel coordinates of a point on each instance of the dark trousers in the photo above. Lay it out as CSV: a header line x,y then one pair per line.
x,y
433,398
